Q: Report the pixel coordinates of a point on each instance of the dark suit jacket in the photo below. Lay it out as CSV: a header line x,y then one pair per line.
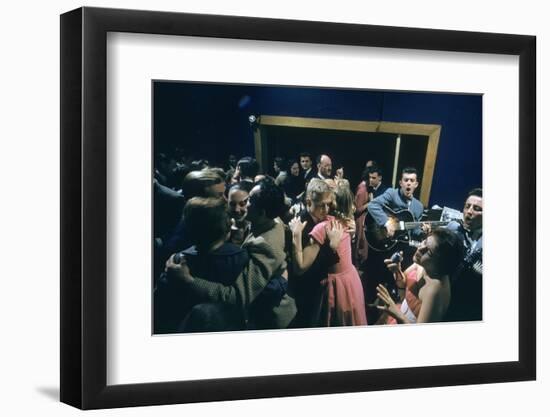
x,y
311,174
379,191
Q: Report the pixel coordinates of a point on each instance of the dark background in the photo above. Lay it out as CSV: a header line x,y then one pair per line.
x,y
211,121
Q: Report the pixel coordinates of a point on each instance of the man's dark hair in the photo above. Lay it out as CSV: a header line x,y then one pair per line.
x,y
370,170
206,221
478,192
291,162
177,176
306,155
375,169
270,198
196,182
229,176
199,164
242,186
248,167
449,250
281,162
213,317
409,170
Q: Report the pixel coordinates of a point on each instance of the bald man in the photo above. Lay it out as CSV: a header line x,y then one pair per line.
x,y
324,167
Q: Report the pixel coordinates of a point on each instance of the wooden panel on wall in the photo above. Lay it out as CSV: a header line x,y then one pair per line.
x,y
432,131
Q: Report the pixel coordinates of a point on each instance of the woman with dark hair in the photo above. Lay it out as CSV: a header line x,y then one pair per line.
x,y
293,185
247,169
426,282
280,170
265,248
176,177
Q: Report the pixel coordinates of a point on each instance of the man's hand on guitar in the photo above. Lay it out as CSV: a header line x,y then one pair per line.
x,y
390,228
426,228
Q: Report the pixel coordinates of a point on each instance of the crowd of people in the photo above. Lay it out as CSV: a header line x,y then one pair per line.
x,y
237,249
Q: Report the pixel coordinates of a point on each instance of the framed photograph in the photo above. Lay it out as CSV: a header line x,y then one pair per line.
x,y
193,148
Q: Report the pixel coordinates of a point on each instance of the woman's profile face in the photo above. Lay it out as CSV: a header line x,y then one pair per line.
x,y
252,211
295,169
426,254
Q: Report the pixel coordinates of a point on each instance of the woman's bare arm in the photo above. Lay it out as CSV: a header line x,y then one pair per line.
x,y
302,258
431,309
308,256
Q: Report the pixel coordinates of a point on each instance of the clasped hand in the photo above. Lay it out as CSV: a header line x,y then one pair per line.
x,y
178,270
395,269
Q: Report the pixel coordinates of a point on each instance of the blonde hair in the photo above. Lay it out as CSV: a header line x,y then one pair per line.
x,y
316,189
344,200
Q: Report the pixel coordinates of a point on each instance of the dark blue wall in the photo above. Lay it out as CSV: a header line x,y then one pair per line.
x,y
212,120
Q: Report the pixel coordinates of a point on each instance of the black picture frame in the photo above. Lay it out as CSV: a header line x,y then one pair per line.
x,y
84,206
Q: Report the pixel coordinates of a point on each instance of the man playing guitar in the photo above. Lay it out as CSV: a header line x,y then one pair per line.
x,y
398,199
401,198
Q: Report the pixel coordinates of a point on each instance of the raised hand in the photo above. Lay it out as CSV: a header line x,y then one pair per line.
x,y
237,174
351,226
334,233
388,305
297,226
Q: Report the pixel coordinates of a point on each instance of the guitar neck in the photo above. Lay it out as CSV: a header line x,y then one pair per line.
x,y
414,225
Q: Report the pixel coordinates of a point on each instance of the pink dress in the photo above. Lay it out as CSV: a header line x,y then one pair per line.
x,y
342,302
361,245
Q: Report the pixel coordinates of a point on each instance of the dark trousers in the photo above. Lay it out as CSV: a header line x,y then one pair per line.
x,y
375,273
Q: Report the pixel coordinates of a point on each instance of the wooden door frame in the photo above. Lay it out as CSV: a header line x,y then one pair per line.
x,y
431,131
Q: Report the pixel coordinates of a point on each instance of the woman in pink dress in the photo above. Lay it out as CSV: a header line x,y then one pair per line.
x,y
342,303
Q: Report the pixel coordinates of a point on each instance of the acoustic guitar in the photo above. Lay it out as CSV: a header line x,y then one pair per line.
x,y
403,220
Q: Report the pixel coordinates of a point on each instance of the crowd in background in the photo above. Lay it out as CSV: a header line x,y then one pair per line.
x,y
236,248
